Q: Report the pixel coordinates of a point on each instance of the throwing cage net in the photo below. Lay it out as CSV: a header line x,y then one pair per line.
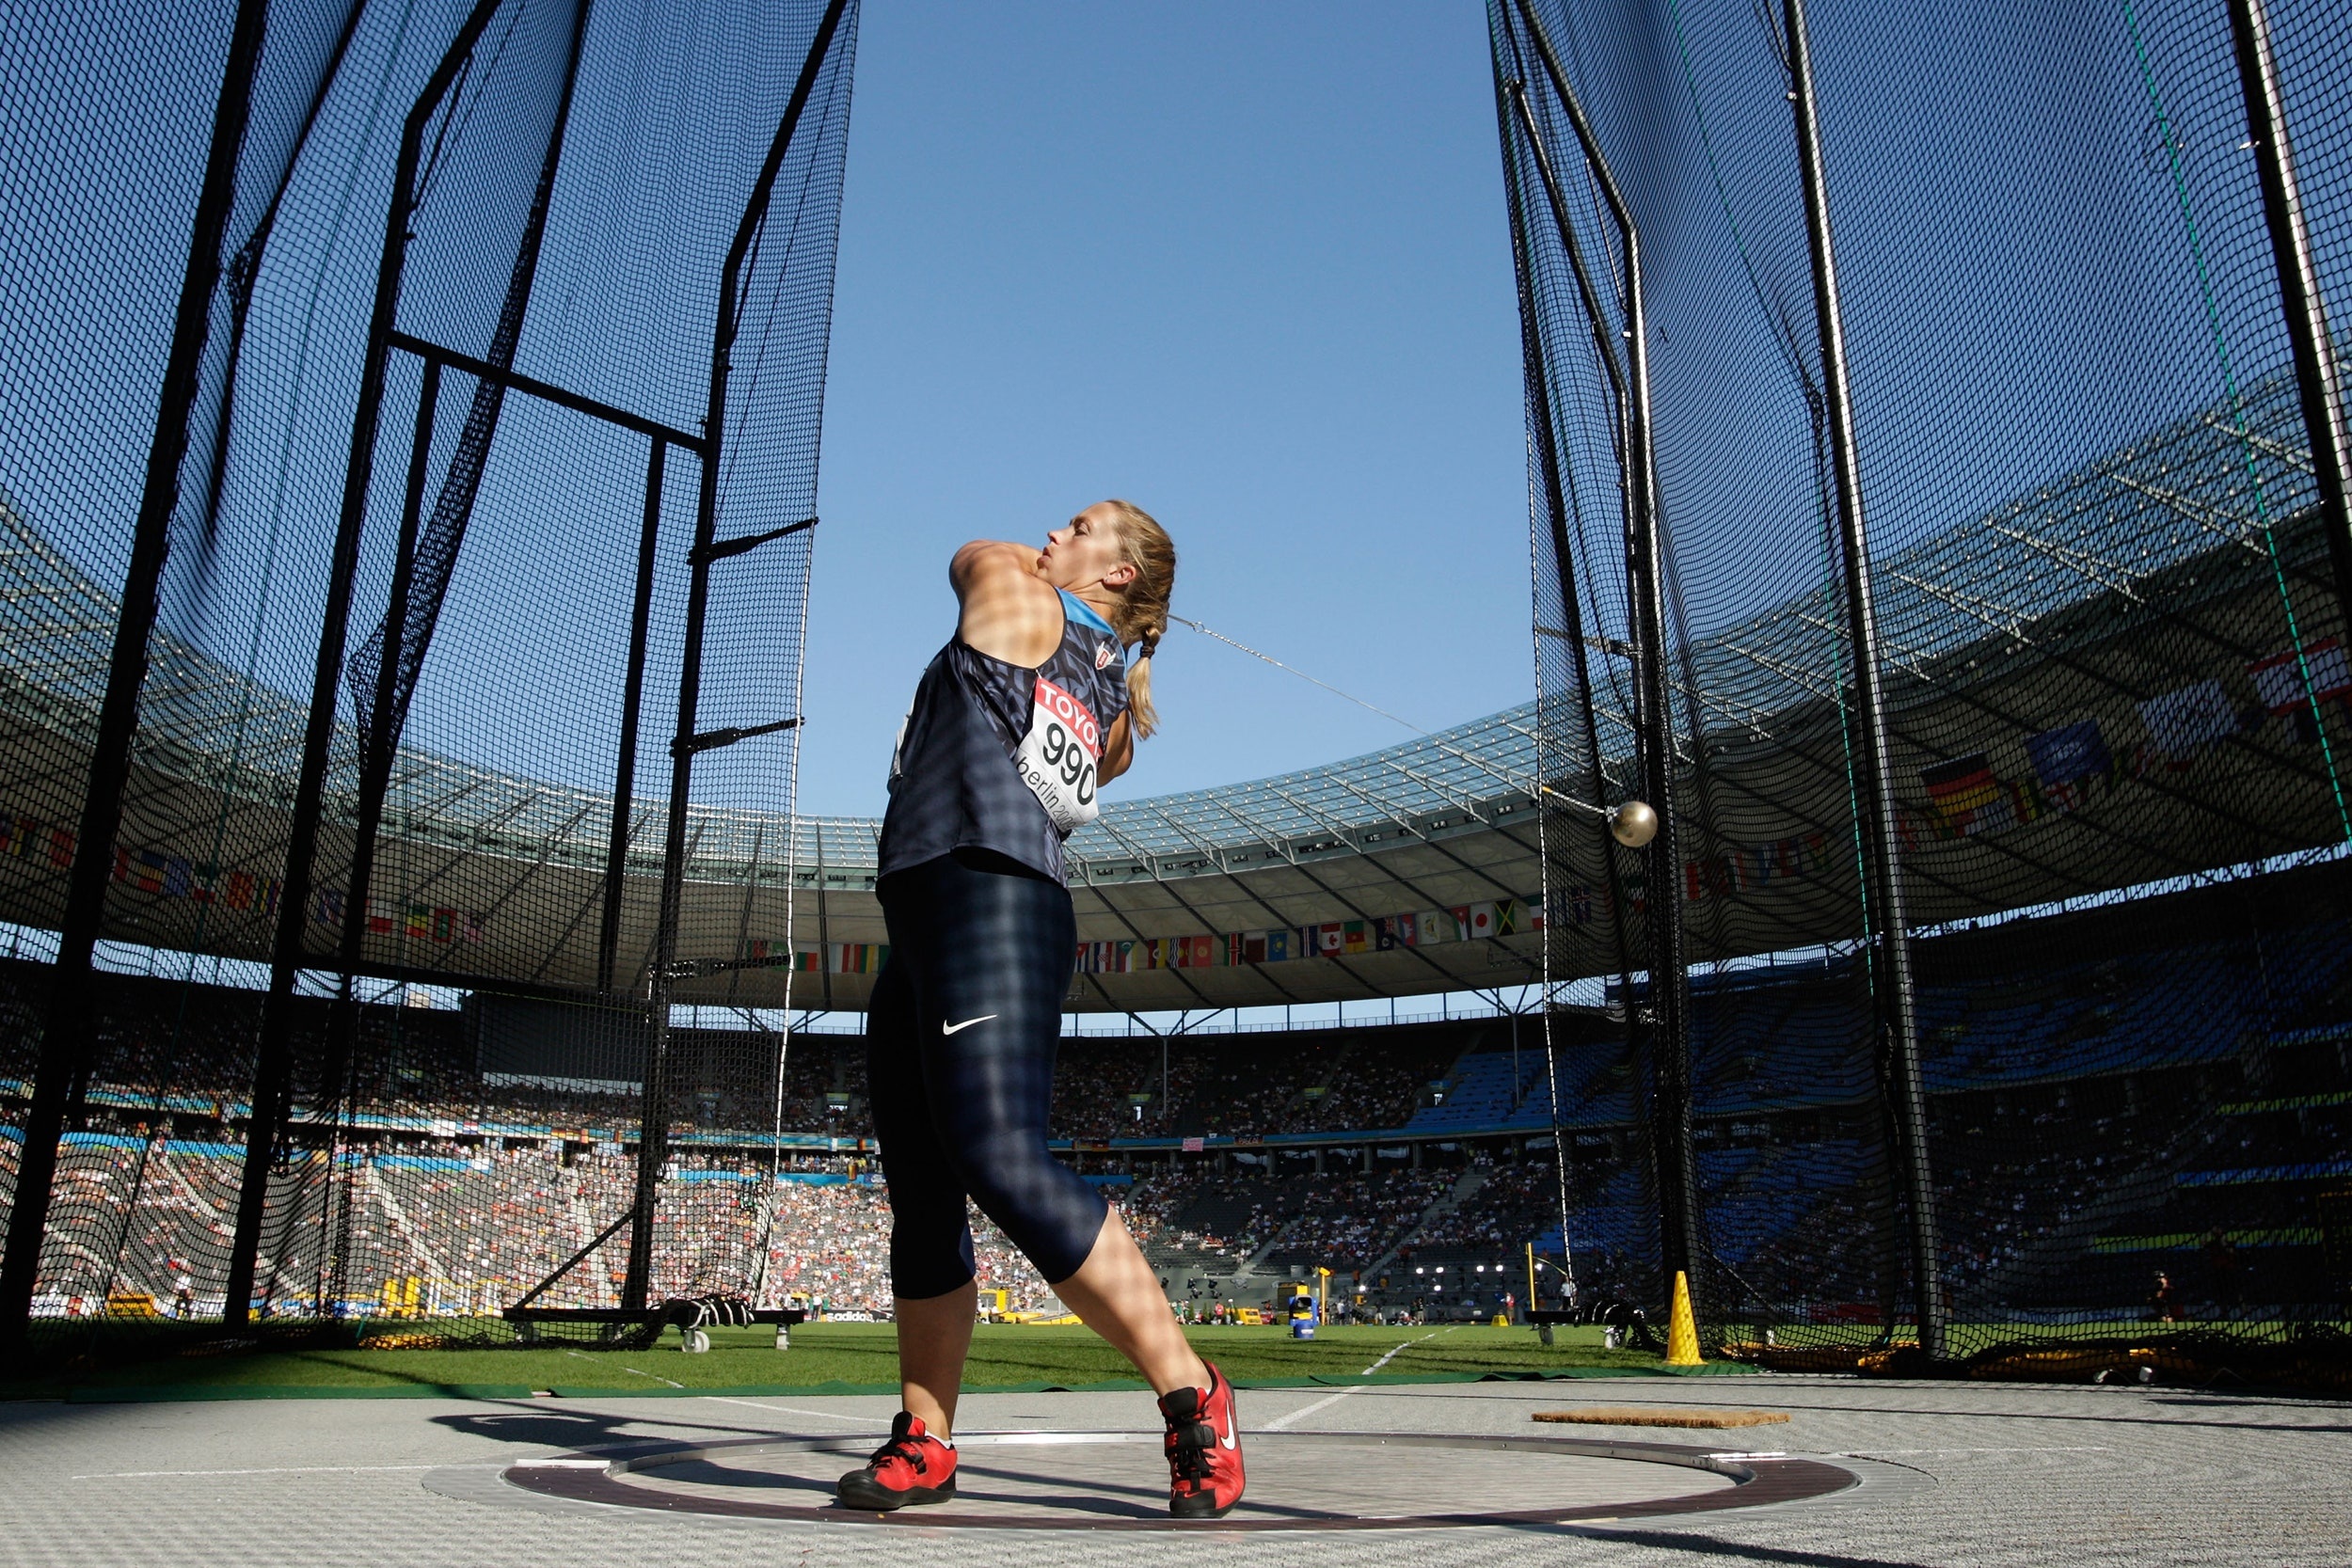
x,y
2001,1009
462,648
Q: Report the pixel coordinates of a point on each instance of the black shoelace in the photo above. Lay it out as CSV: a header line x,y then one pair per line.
x,y
902,1447
1189,1454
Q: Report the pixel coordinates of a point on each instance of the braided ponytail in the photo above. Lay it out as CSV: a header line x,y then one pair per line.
x,y
1141,619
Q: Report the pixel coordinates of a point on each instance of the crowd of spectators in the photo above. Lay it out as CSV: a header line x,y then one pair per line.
x,y
437,1227
464,1190
195,1043
1515,1201
1201,1217
1096,1082
1346,1223
1380,1084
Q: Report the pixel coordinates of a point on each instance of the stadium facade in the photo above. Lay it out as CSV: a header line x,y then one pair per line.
x,y
1408,870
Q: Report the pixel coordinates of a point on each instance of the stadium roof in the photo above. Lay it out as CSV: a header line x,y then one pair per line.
x,y
1435,823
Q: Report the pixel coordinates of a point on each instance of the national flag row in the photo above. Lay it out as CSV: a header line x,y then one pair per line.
x,y
833,957
2073,765
156,872
388,917
1337,938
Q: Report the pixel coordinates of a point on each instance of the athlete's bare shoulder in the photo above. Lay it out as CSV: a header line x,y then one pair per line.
x,y
1008,610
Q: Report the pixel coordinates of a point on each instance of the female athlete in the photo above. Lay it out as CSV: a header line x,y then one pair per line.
x,y
1029,710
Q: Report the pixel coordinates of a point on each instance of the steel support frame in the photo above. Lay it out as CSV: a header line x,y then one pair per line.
x,y
382,747
2317,379
377,745
1564,564
633,711
1900,1067
273,1069
653,1122
1665,1020
63,1063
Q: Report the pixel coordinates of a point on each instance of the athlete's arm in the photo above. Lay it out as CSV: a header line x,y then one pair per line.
x,y
1009,612
1118,750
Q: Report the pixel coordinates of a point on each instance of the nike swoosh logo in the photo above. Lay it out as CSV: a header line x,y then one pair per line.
x,y
947,1028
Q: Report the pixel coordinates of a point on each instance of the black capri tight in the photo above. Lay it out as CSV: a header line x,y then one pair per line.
x,y
959,1044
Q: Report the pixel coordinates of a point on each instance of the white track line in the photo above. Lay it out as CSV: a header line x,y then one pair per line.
x,y
656,1376
795,1410
1400,1345
291,1470
1872,1454
1306,1410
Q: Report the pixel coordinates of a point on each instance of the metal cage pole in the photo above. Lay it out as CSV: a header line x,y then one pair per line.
x,y
2316,372
387,704
1667,1025
1555,492
653,1121
1509,96
65,1036
632,710
381,738
273,1064
377,744
1891,987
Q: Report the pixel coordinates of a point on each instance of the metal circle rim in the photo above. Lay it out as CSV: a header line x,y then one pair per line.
x,y
1759,1479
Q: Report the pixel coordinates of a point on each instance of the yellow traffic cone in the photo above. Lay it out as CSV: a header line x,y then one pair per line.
x,y
1683,1329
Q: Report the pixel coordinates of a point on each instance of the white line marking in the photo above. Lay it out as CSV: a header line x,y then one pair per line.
x,y
1871,1453
795,1410
290,1470
1305,1410
1398,1346
561,1464
656,1376
1032,1439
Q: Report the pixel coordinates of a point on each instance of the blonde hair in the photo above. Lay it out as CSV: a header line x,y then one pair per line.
x,y
1142,613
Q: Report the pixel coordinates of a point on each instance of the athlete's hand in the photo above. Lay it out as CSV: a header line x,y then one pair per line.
x,y
1118,751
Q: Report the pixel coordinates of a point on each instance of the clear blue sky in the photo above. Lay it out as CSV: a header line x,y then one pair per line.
x,y
1247,265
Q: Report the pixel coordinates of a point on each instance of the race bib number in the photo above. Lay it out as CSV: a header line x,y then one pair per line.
x,y
1057,757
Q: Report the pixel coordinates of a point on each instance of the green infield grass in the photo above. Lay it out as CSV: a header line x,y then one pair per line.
x,y
824,1357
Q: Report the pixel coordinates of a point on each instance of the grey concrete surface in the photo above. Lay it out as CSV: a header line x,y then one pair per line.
x,y
1954,1474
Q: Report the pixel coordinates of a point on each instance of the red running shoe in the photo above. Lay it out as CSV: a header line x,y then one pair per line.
x,y
1203,1450
912,1467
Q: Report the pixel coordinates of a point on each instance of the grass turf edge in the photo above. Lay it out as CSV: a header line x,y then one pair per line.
x,y
204,1392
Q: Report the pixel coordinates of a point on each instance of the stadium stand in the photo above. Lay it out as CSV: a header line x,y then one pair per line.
x,y
2092,1130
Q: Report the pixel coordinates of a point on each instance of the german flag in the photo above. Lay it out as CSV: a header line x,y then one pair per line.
x,y
1965,794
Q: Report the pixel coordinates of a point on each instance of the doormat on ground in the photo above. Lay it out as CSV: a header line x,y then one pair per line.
x,y
1632,1416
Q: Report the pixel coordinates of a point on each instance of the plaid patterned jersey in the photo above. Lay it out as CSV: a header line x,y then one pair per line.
x,y
994,756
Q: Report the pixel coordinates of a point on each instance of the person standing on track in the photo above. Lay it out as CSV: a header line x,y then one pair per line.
x,y
1031,707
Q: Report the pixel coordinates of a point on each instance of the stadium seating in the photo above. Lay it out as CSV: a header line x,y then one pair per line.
x,y
2209,1075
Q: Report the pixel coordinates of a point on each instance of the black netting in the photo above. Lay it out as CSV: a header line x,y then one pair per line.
x,y
445,474
461,518
2110,638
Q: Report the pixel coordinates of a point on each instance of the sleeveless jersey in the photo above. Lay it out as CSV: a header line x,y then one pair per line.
x,y
994,756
